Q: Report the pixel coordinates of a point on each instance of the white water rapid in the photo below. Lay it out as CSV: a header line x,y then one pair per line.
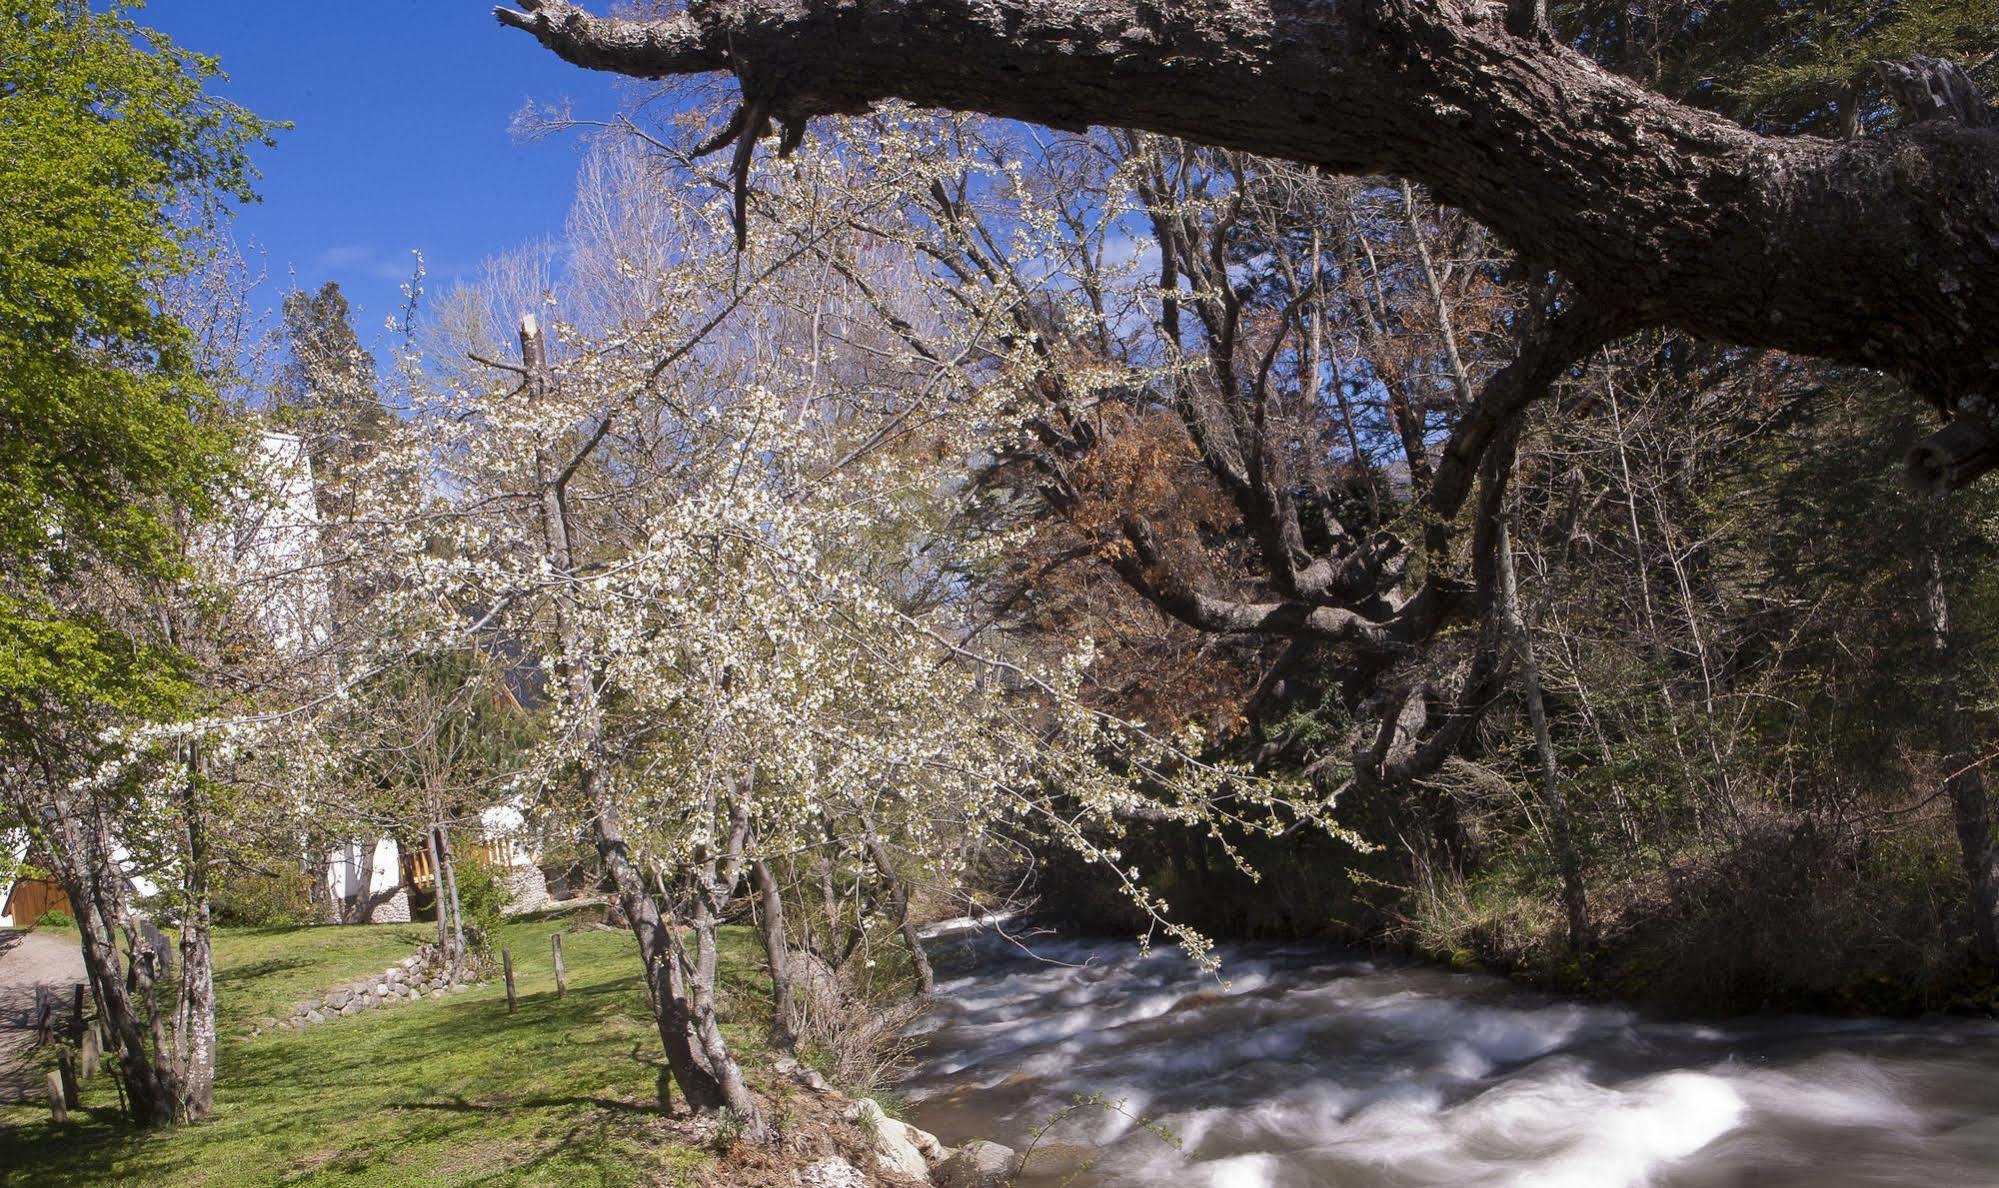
x,y
1317,1066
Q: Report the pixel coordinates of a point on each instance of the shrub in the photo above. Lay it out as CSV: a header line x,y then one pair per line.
x,y
265,901
481,896
56,919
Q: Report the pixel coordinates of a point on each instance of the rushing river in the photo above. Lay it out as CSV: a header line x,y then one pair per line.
x,y
1318,1066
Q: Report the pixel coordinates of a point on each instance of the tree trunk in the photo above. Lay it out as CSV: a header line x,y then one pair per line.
x,y
444,889
1970,806
658,945
79,847
194,1015
777,951
1561,826
722,1064
148,1089
926,981
1878,251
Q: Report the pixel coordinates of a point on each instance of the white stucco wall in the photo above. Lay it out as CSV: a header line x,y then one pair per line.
x,y
268,542
345,876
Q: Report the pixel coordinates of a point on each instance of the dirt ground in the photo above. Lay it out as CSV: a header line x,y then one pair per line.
x,y
28,961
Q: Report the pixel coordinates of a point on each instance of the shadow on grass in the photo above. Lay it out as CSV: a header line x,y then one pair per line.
x,y
456,1090
250,971
461,1106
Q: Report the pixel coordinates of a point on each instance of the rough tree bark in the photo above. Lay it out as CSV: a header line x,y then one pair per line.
x,y
1881,251
898,891
165,1065
709,895
194,1005
96,891
777,951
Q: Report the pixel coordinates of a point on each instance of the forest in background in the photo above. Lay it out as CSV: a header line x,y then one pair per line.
x,y
1760,652
939,513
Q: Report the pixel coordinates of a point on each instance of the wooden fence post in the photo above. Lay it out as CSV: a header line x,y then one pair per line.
x,y
58,1109
507,965
66,1072
561,975
90,1054
76,1015
45,1011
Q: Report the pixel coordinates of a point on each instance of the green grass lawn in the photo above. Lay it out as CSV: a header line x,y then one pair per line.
x,y
451,1091
261,972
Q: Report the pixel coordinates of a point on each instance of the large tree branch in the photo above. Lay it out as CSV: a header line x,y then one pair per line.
x,y
1881,251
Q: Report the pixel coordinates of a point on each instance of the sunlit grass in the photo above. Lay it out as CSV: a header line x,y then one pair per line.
x,y
450,1091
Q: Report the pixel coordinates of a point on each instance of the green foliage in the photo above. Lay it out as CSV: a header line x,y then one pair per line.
x,y
1824,56
481,897
253,900
1783,65
113,161
326,390
56,919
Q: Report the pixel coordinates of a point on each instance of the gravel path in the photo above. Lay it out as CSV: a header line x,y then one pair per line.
x,y
29,960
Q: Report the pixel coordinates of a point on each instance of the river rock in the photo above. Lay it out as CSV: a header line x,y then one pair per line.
x,y
831,1173
314,1017
977,1164
895,1147
339,998
786,1066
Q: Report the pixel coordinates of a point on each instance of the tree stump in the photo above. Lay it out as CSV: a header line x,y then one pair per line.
x,y
561,975
58,1108
507,966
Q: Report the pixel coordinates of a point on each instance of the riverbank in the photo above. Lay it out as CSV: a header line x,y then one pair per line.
x,y
1789,917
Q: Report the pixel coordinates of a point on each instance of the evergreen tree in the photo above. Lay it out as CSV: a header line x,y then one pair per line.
x,y
326,390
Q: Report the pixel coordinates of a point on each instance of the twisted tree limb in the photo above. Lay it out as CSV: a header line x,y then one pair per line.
x,y
1881,251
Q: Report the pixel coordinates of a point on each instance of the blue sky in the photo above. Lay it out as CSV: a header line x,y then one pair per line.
x,y
401,140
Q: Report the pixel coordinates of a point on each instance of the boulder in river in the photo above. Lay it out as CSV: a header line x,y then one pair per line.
x,y
977,1164
898,1146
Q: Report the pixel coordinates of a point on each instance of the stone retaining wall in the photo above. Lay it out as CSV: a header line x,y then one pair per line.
x,y
420,975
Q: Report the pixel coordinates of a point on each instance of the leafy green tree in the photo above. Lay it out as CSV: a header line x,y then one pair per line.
x,y
116,165
113,157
